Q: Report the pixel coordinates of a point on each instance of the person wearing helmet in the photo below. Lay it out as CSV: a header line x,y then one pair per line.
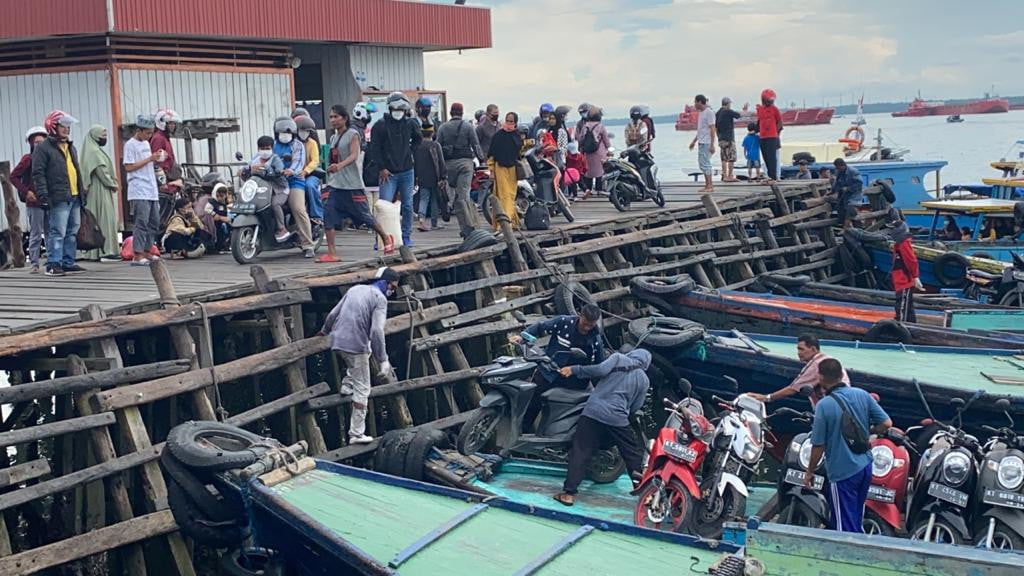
x,y
21,177
704,140
362,114
725,127
478,115
392,142
140,163
166,123
488,126
287,145
584,111
98,174
502,159
308,137
299,112
459,147
57,181
769,123
424,111
541,121
636,130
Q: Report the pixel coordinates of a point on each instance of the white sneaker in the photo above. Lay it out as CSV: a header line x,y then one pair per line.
x,y
345,390
362,439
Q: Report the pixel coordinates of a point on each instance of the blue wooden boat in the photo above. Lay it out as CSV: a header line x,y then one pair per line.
x,y
976,211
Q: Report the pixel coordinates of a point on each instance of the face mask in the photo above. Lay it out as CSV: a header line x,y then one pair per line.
x,y
266,154
102,142
510,126
494,118
398,114
284,138
304,134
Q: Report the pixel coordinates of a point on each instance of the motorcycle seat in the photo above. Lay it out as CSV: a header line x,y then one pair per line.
x,y
983,274
566,395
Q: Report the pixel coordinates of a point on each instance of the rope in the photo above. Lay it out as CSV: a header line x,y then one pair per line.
x,y
279,455
221,412
409,299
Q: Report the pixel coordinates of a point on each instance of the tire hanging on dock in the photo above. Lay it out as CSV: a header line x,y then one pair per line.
x,y
889,331
950,270
570,297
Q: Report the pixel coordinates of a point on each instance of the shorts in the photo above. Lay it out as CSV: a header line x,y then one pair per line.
x,y
350,204
704,158
753,163
728,150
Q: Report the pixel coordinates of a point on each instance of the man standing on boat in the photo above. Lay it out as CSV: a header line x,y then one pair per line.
x,y
808,350
619,393
847,188
847,461
905,271
356,329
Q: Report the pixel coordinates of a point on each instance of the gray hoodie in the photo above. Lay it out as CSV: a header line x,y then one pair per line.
x,y
356,324
621,389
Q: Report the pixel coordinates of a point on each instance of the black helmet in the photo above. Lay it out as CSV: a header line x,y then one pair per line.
x,y
636,112
584,109
562,111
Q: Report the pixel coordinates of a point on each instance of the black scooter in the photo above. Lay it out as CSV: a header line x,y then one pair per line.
x,y
509,385
632,176
798,504
1006,289
1001,488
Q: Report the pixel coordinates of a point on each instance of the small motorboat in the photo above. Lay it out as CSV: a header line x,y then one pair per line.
x,y
954,119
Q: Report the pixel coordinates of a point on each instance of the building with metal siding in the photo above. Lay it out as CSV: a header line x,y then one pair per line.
x,y
387,67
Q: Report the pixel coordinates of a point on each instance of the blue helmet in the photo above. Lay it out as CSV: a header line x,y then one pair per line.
x,y
546,108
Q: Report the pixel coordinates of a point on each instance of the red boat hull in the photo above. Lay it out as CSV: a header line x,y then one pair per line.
x,y
987,106
790,117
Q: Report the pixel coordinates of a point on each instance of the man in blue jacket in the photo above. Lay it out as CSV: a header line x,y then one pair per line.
x,y
619,393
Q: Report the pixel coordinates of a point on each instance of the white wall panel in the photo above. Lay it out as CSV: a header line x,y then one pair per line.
x,y
387,67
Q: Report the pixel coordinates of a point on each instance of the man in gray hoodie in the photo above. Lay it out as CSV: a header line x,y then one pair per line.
x,y
619,393
356,328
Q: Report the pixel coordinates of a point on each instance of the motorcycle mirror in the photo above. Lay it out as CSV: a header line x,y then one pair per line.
x,y
685,387
733,381
1003,404
577,353
806,391
239,157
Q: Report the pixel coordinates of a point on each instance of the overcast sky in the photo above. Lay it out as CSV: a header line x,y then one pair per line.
x,y
663,52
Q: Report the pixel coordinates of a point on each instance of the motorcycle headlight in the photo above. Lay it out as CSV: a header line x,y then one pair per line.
x,y
805,454
1011,472
955,468
248,191
751,453
881,460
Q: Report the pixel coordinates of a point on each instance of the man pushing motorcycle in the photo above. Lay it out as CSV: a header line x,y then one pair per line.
x,y
619,393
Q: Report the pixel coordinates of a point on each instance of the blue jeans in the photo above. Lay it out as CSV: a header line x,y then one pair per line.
x,y
61,241
401,183
313,202
428,205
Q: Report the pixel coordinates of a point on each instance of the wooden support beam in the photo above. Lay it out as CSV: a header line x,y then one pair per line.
x,y
397,387
472,285
33,433
22,472
767,253
730,232
801,215
420,266
78,383
497,309
420,344
282,403
685,249
642,270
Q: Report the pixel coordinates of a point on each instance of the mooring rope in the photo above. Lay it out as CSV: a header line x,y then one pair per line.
x,y
221,412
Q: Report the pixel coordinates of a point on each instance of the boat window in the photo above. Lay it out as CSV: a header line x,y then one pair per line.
x,y
915,179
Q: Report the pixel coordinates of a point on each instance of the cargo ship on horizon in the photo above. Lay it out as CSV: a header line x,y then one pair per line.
x,y
921,107
687,119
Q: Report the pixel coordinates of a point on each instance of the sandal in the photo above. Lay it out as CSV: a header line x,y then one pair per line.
x,y
564,498
327,259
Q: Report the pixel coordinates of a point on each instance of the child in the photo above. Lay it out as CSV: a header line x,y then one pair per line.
x,y
752,150
431,176
270,167
966,235
185,234
575,160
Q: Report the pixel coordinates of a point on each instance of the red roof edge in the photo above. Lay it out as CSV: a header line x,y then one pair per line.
x,y
41,18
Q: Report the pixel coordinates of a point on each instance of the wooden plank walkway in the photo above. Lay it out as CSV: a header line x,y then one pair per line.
x,y
32,301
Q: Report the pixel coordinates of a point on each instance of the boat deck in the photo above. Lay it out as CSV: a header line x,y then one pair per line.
x,y
33,301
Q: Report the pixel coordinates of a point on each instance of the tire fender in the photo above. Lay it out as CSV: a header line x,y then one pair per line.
x,y
672,470
729,479
946,260
951,517
815,501
244,221
493,400
1014,519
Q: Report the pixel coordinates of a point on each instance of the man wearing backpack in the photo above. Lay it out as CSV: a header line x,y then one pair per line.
x,y
459,146
842,422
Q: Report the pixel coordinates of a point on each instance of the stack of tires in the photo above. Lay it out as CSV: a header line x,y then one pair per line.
x,y
666,332
406,452
853,256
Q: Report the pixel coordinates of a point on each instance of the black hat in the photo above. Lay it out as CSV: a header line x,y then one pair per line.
x,y
385,273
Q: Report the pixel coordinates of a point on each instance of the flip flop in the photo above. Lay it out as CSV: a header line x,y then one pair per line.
x,y
327,259
389,247
559,498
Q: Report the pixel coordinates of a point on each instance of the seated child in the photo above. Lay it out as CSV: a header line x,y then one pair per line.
x,y
185,235
270,167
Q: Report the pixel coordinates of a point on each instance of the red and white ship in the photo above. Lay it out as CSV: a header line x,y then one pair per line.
x,y
921,107
790,117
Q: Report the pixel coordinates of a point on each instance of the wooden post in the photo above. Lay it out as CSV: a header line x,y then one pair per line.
x,y
292,372
16,250
727,232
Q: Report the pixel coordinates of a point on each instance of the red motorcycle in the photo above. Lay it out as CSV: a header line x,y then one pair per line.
x,y
669,488
890,471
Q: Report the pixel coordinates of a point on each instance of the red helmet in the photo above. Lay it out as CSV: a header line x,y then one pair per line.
x,y
767,94
58,117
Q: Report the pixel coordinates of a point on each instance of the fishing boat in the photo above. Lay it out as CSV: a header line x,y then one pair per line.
x,y
1008,186
851,148
972,214
687,119
859,120
921,107
954,119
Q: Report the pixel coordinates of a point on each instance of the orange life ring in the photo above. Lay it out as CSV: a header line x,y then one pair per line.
x,y
854,130
851,144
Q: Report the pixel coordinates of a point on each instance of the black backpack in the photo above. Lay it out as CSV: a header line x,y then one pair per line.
x,y
537,217
856,438
588,145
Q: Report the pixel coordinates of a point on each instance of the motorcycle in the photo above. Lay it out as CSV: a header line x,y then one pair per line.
x,y
1006,289
736,447
798,504
632,177
669,488
509,385
483,188
890,472
1001,488
253,226
543,187
940,507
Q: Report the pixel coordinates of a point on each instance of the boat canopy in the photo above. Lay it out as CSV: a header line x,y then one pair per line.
x,y
974,206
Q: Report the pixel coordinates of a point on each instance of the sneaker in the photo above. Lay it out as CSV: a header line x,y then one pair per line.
x,y
345,390
108,259
282,235
308,253
35,269
74,269
52,270
361,439
143,262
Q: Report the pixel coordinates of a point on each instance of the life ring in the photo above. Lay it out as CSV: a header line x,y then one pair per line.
x,y
851,144
854,130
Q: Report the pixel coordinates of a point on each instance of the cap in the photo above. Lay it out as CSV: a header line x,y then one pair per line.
x,y
385,273
145,121
802,163
726,101
456,108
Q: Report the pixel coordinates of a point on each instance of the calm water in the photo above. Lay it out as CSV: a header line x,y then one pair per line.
x,y
968,147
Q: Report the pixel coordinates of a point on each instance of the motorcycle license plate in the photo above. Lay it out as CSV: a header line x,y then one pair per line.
x,y
1003,498
951,495
610,175
679,452
796,478
879,494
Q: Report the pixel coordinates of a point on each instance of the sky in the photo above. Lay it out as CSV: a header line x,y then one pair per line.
x,y
616,53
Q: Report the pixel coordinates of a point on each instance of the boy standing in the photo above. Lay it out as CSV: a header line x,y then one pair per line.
x,y
752,151
431,177
143,195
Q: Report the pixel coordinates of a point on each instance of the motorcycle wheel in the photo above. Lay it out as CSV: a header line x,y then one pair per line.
x,y
1003,538
674,511
477,431
873,524
721,509
244,244
1014,297
619,197
486,206
796,513
659,197
942,532
606,466
318,237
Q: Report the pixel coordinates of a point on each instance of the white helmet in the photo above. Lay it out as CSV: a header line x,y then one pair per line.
x,y
398,101
34,131
164,116
361,112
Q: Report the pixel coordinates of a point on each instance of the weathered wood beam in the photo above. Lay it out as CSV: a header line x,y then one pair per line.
x,y
397,387
685,249
428,265
420,344
642,270
275,406
471,285
106,379
801,215
496,309
767,253
68,426
21,472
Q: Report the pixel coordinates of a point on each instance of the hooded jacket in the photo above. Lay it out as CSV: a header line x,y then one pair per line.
x,y
621,389
50,172
393,142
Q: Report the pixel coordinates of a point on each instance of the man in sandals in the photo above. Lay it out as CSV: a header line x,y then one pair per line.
x,y
618,394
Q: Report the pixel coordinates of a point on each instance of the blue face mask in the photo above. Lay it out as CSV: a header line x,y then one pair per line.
x,y
384,287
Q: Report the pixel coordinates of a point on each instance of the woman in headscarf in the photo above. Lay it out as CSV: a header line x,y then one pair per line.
x,y
101,186
594,133
502,159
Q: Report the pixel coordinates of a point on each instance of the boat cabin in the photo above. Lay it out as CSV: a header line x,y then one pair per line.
x,y
971,215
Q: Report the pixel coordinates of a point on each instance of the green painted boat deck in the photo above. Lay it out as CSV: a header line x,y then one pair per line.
x,y
533,483
1011,320
382,520
945,368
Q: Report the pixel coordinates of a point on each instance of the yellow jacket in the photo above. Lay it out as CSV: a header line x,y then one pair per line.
x,y
178,225
312,157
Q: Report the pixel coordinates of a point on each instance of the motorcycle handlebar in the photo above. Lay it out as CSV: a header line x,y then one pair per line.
x,y
721,400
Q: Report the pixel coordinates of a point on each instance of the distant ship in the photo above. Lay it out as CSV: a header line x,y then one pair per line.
x,y
790,117
921,107
1018,106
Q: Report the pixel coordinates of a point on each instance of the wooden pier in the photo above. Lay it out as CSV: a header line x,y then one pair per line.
x,y
102,365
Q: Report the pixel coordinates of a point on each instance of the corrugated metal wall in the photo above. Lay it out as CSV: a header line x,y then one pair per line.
x,y
36,18
254,98
26,100
388,68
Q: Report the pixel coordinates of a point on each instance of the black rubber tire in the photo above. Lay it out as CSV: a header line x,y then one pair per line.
x,y
777,289
799,514
419,451
887,191
666,332
805,156
570,298
873,524
212,506
660,304
619,198
563,207
193,522
252,562
605,466
889,331
478,238
467,442
981,254
659,197
951,260
1003,537
1018,212
390,456
486,198
662,285
916,532
733,505
856,248
1014,297
238,251
234,449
